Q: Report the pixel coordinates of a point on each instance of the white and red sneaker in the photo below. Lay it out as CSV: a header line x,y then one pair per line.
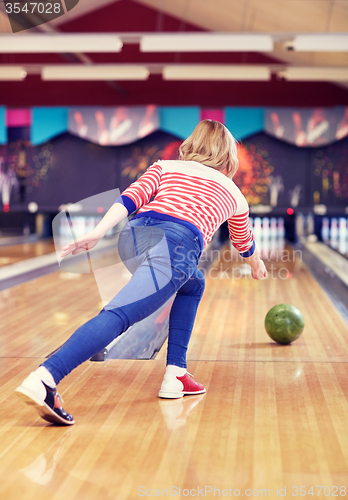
x,y
176,387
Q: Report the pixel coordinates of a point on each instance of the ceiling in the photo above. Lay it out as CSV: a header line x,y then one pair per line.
x,y
264,16
261,16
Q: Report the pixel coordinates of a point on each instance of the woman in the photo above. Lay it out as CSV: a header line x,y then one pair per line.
x,y
161,246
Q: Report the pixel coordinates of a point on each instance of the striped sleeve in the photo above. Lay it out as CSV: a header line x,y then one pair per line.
x,y
240,234
142,190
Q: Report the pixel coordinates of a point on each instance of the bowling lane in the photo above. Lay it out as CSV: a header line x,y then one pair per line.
x,y
230,320
36,317
10,254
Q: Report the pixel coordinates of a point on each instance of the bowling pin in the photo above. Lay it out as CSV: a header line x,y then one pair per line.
x,y
342,229
334,233
265,248
281,234
66,228
273,241
310,224
258,232
273,248
300,226
342,247
281,228
325,231
265,237
265,228
334,228
342,236
65,235
273,228
76,226
89,226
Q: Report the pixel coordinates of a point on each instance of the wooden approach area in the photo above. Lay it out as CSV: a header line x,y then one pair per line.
x,y
273,417
17,253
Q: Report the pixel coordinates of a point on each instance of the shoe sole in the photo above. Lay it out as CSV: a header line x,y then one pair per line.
x,y
177,395
41,407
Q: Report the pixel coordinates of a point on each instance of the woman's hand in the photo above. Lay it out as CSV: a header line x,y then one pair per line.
x,y
258,270
82,244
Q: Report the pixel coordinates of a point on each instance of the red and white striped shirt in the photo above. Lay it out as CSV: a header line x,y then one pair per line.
x,y
192,193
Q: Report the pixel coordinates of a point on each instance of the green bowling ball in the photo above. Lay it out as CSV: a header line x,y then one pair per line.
x,y
284,323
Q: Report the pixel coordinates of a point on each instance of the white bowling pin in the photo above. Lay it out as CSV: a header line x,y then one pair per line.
x,y
334,233
342,229
300,225
281,234
91,225
343,247
274,228
265,228
281,228
273,241
334,228
258,231
265,248
325,231
310,224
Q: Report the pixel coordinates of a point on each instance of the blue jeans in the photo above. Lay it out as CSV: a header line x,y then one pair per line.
x,y
163,258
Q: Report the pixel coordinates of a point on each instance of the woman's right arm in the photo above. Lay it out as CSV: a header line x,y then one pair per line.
x,y
132,198
89,240
242,238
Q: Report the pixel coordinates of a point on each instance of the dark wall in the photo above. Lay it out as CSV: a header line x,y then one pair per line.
x,y
320,174
68,169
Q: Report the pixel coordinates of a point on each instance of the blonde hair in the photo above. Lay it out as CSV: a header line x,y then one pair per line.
x,y
212,144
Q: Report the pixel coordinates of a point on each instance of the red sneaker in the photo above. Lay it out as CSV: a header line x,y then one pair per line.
x,y
176,387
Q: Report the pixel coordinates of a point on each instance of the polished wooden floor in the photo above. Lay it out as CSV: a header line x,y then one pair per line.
x,y
10,254
273,416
